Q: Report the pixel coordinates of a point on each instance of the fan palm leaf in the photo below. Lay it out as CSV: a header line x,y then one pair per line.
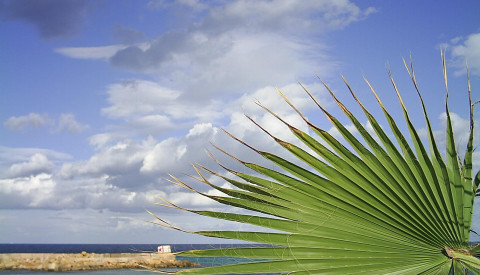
x,y
380,205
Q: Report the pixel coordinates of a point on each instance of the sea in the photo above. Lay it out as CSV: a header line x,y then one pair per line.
x,y
118,248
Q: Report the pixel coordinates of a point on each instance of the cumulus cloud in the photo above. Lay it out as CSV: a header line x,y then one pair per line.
x,y
172,153
30,121
466,49
37,164
127,174
145,108
119,159
45,191
111,179
148,108
29,192
52,18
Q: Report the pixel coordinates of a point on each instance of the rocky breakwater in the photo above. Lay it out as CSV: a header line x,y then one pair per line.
x,y
88,261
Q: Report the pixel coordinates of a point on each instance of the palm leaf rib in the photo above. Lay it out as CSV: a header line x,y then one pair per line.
x,y
379,206
413,192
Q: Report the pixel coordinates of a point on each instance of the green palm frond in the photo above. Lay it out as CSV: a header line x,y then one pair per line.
x,y
380,205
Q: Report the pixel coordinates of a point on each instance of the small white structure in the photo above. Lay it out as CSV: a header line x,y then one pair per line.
x,y
164,249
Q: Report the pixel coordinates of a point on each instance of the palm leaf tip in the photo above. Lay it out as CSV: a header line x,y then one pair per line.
x,y
381,205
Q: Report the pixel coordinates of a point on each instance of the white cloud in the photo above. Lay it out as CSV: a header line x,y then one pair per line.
x,y
68,124
152,124
106,196
119,174
212,64
313,16
48,191
173,154
138,97
147,108
129,224
27,192
119,159
240,38
461,127
101,139
233,48
199,129
32,120
269,97
37,164
24,162
103,52
190,199
466,49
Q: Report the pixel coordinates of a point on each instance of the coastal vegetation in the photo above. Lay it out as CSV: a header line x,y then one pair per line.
x,y
382,204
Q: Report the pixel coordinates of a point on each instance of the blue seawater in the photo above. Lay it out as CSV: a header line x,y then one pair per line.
x,y
106,248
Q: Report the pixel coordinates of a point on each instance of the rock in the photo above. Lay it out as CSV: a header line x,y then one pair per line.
x,y
52,267
88,261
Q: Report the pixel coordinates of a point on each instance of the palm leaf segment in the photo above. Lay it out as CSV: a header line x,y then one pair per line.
x,y
384,209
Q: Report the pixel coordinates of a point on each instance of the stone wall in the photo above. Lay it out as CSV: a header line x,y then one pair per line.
x,y
88,261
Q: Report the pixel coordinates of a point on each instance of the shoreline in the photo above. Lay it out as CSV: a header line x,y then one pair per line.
x,y
88,261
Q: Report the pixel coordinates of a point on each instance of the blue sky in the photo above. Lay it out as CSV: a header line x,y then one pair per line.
x,y
101,100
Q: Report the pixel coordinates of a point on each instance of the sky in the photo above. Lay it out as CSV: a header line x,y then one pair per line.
x,y
101,100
